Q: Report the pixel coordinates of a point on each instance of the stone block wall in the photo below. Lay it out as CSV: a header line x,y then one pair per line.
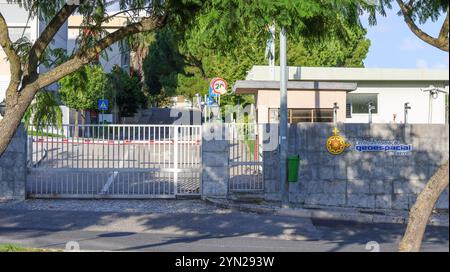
x,y
373,180
13,168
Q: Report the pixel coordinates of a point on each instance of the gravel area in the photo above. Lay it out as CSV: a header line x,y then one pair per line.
x,y
138,206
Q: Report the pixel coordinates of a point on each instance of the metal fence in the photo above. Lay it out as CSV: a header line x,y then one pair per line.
x,y
115,161
246,157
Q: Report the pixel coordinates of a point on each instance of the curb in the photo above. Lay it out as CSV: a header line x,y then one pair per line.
x,y
351,216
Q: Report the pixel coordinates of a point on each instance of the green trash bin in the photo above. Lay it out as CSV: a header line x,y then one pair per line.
x,y
293,162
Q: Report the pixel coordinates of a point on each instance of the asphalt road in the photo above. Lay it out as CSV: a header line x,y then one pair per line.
x,y
229,232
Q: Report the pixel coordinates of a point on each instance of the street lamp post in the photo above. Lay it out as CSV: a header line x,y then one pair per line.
x,y
407,107
433,94
335,112
370,107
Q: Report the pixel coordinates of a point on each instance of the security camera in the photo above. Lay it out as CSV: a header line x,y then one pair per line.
x,y
407,106
434,90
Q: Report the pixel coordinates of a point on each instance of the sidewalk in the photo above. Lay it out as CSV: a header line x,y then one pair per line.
x,y
331,213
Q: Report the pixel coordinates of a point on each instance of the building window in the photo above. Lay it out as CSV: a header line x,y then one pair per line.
x,y
274,115
359,103
303,115
348,110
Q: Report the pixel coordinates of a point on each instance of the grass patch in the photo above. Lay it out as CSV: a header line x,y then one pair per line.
x,y
15,248
251,146
41,133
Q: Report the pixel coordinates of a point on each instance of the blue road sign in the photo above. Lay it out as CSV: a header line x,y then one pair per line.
x,y
103,104
210,100
211,92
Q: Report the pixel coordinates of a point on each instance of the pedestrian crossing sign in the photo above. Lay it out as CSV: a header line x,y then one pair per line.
x,y
103,104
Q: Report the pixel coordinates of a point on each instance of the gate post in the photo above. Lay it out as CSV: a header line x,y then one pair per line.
x,y
175,160
215,163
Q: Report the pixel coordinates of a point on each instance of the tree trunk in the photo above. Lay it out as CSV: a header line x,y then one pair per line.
x,y
421,211
13,117
9,124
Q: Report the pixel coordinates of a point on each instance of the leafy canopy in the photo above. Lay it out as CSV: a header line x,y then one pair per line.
x,y
183,64
44,111
420,11
125,92
82,90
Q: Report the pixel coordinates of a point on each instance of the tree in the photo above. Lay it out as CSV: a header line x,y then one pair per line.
x,y
224,20
196,63
417,12
162,65
82,89
332,52
25,79
125,92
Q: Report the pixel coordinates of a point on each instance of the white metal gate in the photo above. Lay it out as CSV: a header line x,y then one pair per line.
x,y
246,158
114,161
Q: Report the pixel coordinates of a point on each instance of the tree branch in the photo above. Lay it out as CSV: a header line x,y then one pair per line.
x,y
443,34
146,24
47,36
15,66
436,42
86,56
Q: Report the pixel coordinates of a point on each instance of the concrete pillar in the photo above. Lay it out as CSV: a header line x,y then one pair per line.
x,y
13,168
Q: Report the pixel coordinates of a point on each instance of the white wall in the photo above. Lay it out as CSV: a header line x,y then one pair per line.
x,y
391,99
16,18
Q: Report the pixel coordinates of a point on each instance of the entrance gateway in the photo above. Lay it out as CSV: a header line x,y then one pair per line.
x,y
114,161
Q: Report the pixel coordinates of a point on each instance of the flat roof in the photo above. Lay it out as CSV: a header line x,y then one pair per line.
x,y
349,74
253,86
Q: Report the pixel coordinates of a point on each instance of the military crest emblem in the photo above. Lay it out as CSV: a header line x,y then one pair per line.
x,y
336,144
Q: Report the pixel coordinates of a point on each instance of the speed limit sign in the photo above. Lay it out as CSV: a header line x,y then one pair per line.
x,y
219,85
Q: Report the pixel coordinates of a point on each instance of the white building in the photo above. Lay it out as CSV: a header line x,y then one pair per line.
x,y
312,91
116,54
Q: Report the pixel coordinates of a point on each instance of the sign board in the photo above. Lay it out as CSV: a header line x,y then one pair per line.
x,y
211,93
219,85
105,118
103,104
210,101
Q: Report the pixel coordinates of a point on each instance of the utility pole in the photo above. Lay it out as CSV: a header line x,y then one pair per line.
x,y
283,121
271,50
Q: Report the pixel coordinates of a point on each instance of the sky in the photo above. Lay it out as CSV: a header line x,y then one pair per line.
x,y
393,45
